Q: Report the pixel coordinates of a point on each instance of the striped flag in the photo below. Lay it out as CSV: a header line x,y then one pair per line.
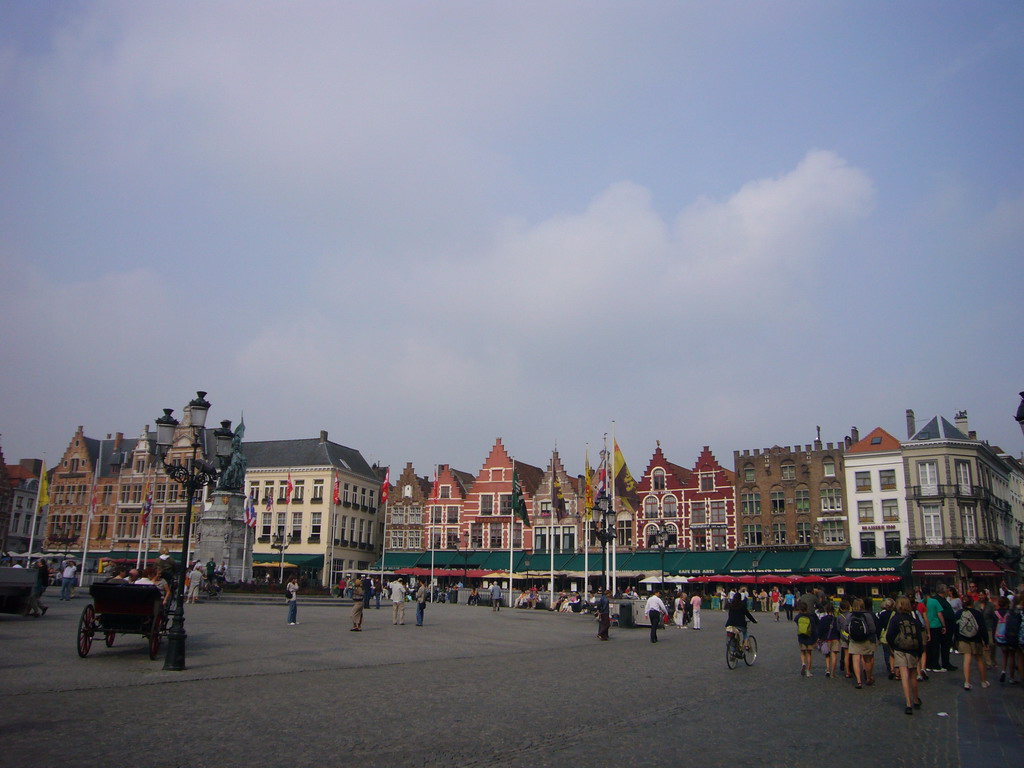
x,y
385,486
288,490
250,511
147,507
337,490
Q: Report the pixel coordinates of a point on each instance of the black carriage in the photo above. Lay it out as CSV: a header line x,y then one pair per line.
x,y
128,609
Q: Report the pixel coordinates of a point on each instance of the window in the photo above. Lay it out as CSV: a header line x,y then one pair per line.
x,y
803,533
505,500
931,516
700,541
415,514
748,474
476,536
890,510
697,513
868,545
397,539
397,515
435,515
718,539
318,491
650,507
803,501
280,523
778,502
451,538
963,477
446,491
829,467
486,504
126,493
495,536
751,535
887,479
866,511
265,524
315,523
140,466
833,532
968,521
671,508
892,544
751,503
298,491
658,479
161,493
718,511
453,515
862,481
831,501
778,533
928,477
788,472
707,481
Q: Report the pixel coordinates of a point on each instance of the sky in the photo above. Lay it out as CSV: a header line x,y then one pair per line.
x,y
424,226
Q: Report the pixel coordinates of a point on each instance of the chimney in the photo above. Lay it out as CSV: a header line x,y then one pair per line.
x,y
117,440
961,422
855,434
323,436
911,428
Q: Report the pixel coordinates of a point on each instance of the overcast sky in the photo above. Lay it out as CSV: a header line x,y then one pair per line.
x,y
422,226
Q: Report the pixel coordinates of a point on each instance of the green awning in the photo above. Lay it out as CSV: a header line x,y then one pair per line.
x,y
786,561
395,560
871,565
703,563
744,560
541,562
827,561
497,560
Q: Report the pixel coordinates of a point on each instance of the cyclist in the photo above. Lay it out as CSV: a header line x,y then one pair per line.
x,y
738,616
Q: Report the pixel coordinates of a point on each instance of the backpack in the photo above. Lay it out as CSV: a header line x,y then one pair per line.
x,y
1013,628
967,625
1000,635
827,627
908,634
803,624
858,628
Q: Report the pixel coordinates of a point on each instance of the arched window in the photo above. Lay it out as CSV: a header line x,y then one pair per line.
x,y
658,479
672,538
671,509
650,507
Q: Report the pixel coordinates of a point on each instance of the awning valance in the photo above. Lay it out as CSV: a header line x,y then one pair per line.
x,y
933,567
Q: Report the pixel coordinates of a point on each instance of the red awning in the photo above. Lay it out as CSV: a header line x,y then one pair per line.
x,y
933,567
983,567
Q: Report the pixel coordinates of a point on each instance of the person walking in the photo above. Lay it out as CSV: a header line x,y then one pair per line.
x,y
35,602
863,643
656,611
972,638
695,603
195,582
806,637
397,590
679,612
421,602
357,604
936,631
67,580
904,636
604,619
495,596
789,602
776,601
292,591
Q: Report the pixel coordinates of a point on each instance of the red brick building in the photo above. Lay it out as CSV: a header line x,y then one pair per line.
x,y
444,527
487,509
407,500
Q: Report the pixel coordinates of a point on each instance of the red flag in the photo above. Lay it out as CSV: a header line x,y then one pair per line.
x,y
288,489
337,490
437,489
385,485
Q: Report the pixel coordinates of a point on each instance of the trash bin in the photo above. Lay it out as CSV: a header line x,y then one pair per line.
x,y
453,597
626,615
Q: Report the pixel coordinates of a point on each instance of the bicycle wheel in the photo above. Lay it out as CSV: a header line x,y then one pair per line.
x,y
730,653
750,652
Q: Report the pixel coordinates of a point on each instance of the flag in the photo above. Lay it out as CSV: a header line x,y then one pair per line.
x,y
147,507
601,482
436,493
288,490
337,490
557,499
269,501
625,485
250,511
518,502
385,486
588,489
44,490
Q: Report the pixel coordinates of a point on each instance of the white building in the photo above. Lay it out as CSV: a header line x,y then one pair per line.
x,y
877,496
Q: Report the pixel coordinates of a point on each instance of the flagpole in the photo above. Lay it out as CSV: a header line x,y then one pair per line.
x,y
384,543
615,541
586,522
430,540
43,486
551,539
511,533
88,520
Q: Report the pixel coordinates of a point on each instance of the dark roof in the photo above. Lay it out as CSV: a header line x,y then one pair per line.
x,y
307,452
939,429
465,479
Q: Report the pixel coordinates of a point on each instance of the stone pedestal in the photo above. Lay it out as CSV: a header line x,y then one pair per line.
x,y
222,535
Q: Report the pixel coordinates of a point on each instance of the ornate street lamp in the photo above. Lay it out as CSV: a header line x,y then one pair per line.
x,y
1020,413
661,539
281,544
193,476
603,511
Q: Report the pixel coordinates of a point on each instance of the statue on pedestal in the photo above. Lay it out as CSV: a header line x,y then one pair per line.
x,y
233,476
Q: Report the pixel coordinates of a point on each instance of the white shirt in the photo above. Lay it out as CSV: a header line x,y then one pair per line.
x,y
654,603
69,571
397,591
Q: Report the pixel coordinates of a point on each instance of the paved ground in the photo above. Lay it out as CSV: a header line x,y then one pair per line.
x,y
471,688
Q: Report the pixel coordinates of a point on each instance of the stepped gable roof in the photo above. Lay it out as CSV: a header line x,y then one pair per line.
x,y
938,429
307,452
876,440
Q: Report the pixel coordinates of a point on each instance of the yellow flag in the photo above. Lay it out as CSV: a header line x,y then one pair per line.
x,y
44,489
588,491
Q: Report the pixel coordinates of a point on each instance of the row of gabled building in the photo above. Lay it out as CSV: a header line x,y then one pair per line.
x,y
940,502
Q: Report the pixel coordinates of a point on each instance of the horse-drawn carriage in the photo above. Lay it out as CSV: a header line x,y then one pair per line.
x,y
128,609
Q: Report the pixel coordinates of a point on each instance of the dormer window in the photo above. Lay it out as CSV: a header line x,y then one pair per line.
x,y
658,479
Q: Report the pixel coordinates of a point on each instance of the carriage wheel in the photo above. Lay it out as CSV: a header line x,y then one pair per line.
x,y
109,640
86,627
154,635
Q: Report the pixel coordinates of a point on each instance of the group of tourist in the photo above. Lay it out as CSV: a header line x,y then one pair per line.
x,y
917,634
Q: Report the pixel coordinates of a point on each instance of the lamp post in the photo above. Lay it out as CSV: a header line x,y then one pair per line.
x,y
1020,413
606,533
63,535
194,475
280,543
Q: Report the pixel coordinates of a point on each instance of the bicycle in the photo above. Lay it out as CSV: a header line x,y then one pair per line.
x,y
734,650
